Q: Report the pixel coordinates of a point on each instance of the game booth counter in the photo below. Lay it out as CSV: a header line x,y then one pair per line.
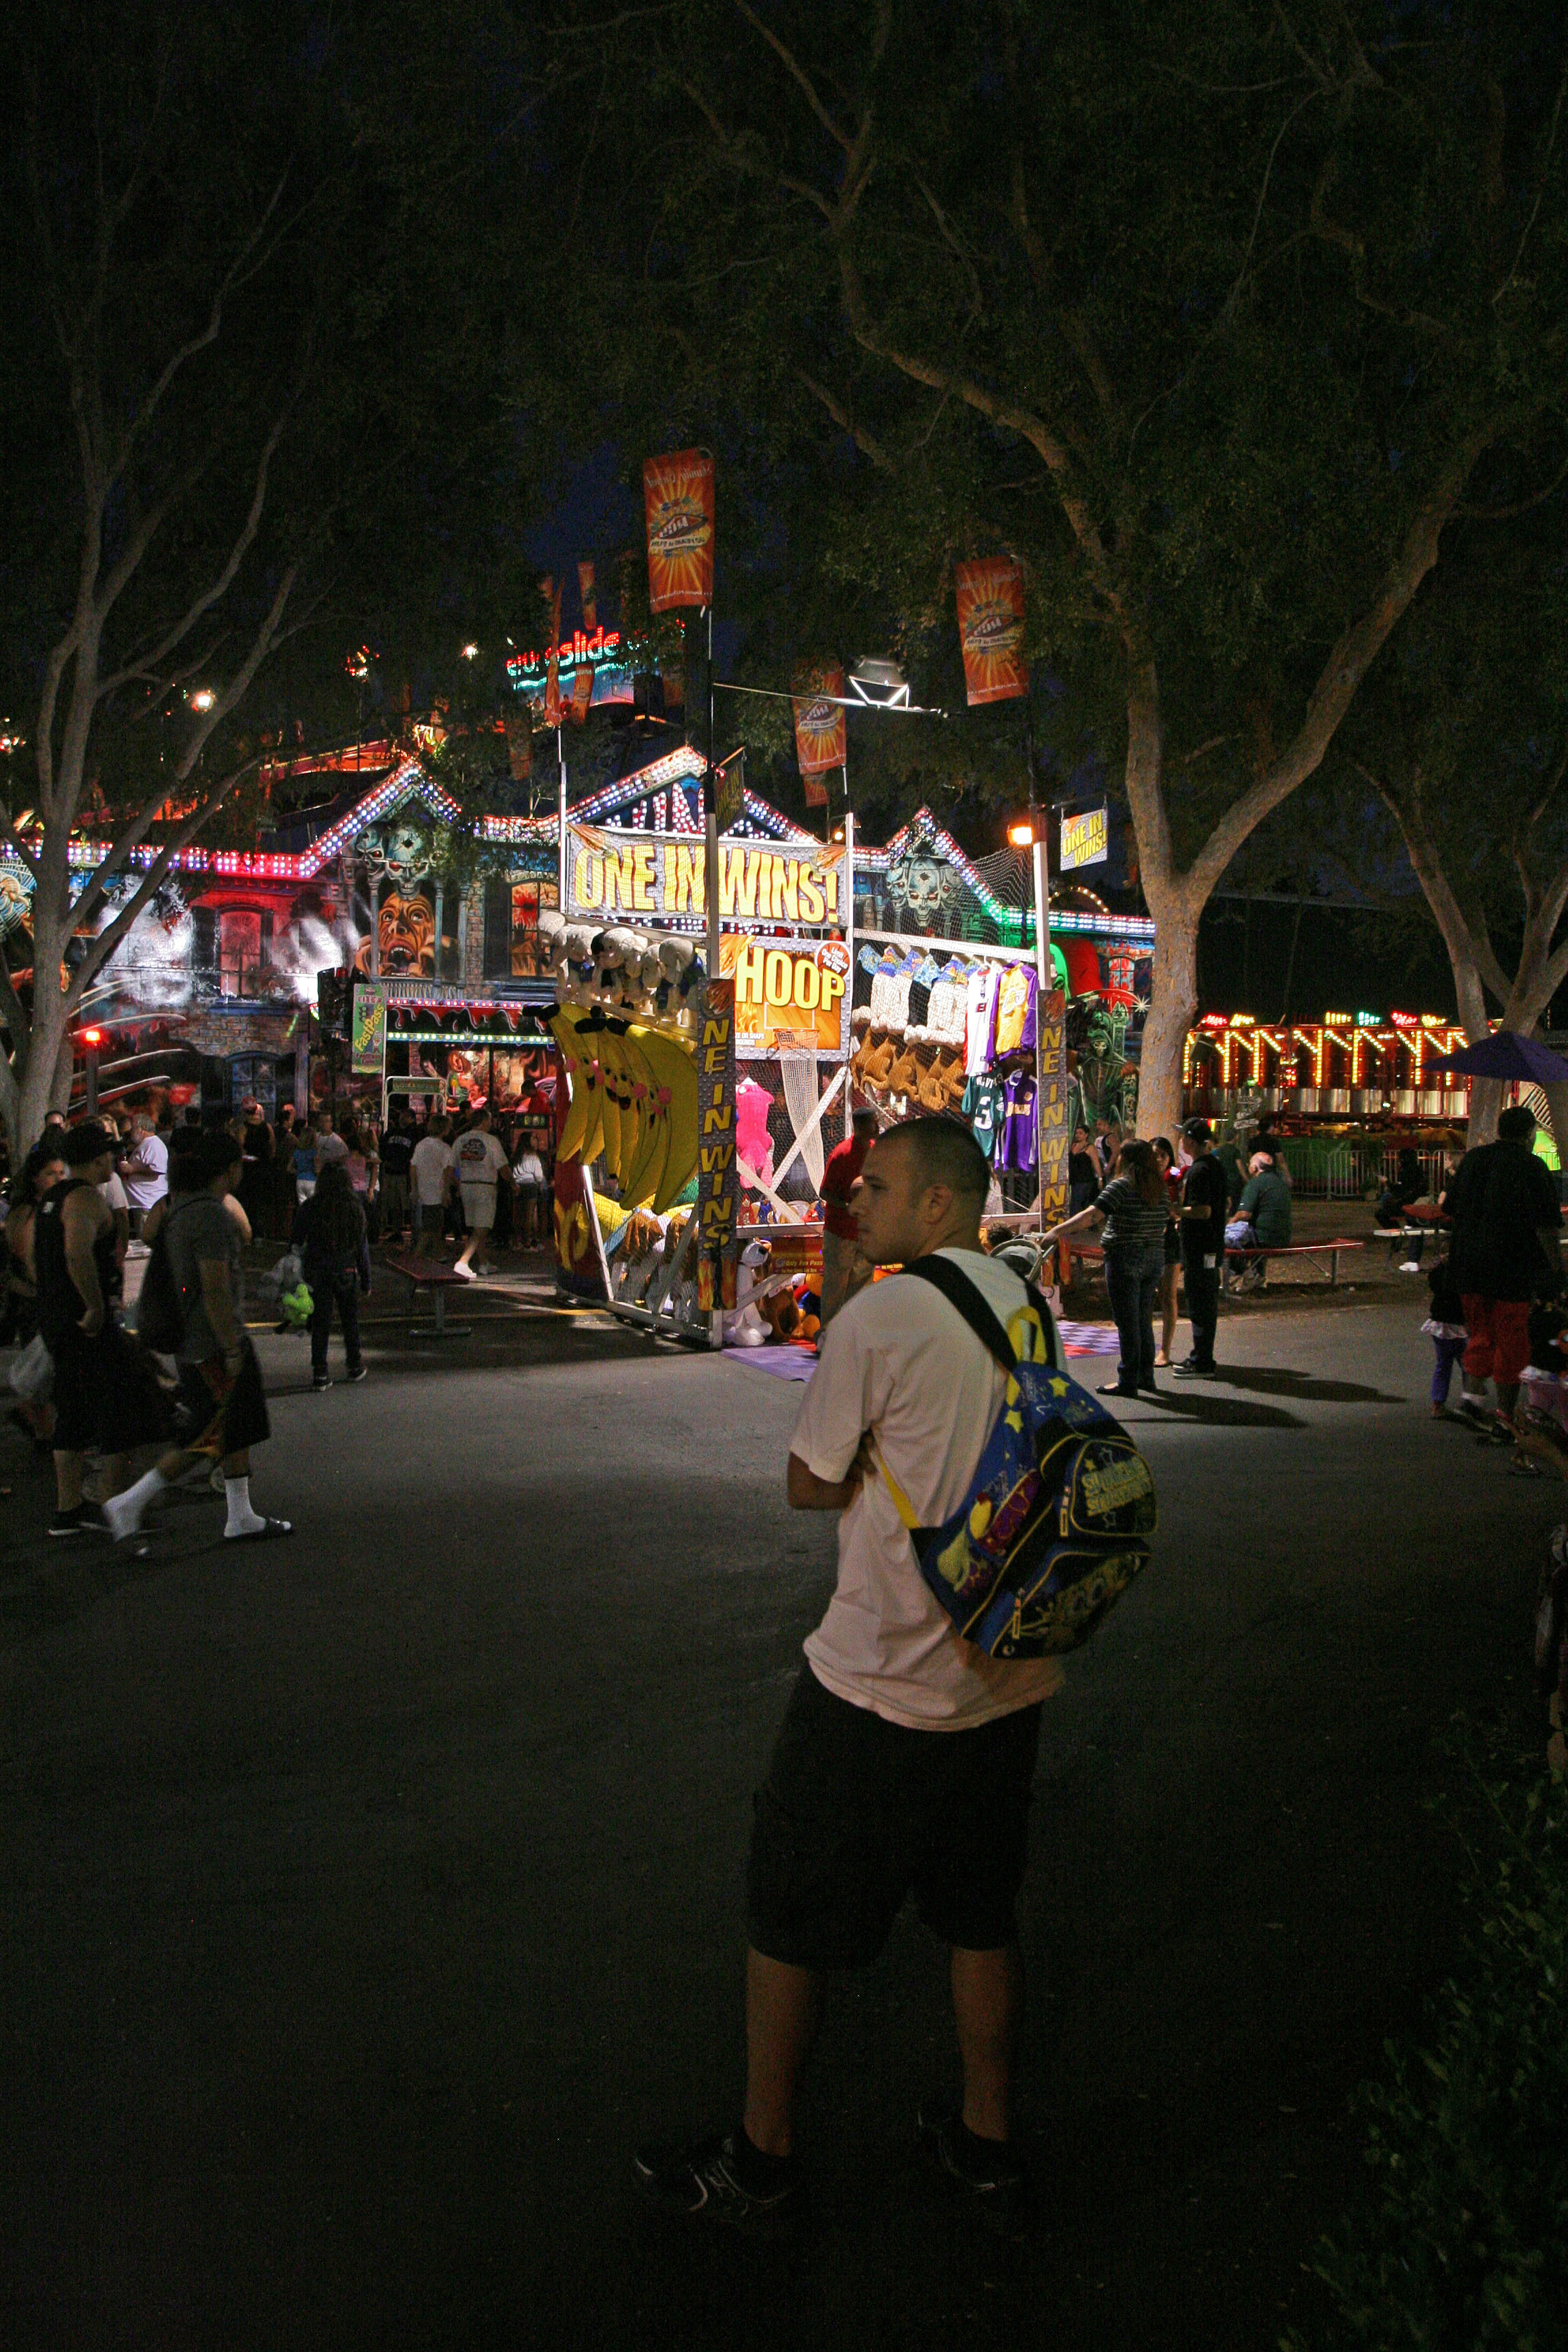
x,y
811,1008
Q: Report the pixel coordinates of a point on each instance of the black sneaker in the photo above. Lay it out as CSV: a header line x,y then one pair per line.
x,y
1187,1370
357,1374
704,2183
322,1380
83,1519
989,2171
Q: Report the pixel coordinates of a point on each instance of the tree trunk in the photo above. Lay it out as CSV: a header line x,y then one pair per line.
x,y
44,1081
1173,1005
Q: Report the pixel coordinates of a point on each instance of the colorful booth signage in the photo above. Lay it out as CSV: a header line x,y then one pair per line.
x,y
1086,839
788,999
718,1169
661,877
678,495
991,629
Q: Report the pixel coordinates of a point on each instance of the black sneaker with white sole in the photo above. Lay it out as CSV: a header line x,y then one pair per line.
x,y
712,2182
989,2172
81,1520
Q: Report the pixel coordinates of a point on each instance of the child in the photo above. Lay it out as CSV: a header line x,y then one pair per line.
x,y
1543,1406
1446,1325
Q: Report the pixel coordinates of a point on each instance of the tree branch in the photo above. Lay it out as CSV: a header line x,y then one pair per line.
x,y
102,947
845,421
1353,656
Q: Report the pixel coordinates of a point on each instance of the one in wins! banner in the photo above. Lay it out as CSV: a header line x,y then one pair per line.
x,y
662,877
991,629
678,495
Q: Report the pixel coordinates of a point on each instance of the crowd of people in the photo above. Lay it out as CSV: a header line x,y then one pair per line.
x,y
91,1194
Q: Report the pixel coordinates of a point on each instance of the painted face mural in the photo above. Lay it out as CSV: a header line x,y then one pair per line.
x,y
406,934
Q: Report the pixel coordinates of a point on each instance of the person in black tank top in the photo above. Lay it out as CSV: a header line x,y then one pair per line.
x,y
102,1398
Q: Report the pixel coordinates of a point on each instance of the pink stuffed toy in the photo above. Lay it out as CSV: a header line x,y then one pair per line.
x,y
752,1142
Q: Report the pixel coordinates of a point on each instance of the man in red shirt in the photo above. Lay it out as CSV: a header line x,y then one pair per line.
x,y
844,1270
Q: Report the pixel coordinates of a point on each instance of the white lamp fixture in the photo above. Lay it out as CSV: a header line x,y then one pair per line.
x,y
881,685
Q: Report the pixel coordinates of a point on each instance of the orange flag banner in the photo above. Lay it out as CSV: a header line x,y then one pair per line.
x,y
991,629
582,693
552,654
590,596
819,729
677,494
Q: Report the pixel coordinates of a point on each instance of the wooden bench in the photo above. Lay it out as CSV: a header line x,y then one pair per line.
x,y
1330,1250
424,1274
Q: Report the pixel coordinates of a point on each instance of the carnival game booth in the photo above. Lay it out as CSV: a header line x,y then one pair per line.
x,y
947,1013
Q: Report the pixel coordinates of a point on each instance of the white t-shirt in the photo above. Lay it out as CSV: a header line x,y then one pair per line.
x,y
113,1192
479,1161
431,1159
900,1361
146,1171
530,1169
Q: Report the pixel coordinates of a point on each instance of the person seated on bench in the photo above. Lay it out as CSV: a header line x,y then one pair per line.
x,y
1397,1195
1262,1220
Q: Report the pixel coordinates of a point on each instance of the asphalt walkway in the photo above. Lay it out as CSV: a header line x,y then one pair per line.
x,y
365,1898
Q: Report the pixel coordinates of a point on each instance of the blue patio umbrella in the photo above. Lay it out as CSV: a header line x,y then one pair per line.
x,y
1507,1056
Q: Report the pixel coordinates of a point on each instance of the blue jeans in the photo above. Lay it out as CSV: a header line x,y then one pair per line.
x,y
1132,1280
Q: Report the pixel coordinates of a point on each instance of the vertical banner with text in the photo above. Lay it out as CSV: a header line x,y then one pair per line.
x,y
820,739
717,1173
1051,1105
678,496
552,658
991,629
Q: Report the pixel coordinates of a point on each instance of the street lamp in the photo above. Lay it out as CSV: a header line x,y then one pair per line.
x,y
202,698
470,653
1021,833
881,685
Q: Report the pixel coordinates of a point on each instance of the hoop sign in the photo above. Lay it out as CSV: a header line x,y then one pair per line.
x,y
661,877
1086,839
788,999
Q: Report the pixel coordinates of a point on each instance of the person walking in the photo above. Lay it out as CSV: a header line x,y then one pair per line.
x,y
899,1740
396,1159
1399,1192
222,1395
1205,1198
1445,1327
480,1165
1507,1229
845,1270
1135,1209
431,1169
143,1171
42,1170
333,1243
1171,1269
256,1143
528,1189
103,1400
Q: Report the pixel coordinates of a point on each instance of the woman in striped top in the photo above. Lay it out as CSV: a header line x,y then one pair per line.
x,y
1134,1209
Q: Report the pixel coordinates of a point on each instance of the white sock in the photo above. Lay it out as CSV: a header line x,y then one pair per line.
x,y
242,1519
124,1511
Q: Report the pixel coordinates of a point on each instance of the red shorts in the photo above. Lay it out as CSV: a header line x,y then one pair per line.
x,y
1498,1332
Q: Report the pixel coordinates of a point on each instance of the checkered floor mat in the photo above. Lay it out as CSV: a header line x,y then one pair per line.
x,y
1089,1338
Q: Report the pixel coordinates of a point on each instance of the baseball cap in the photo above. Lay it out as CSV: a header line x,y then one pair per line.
x,y
1198,1130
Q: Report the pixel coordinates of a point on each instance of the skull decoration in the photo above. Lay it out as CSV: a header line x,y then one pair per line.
x,y
370,852
924,889
407,855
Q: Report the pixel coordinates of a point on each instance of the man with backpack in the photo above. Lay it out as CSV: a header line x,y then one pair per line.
x,y
906,1756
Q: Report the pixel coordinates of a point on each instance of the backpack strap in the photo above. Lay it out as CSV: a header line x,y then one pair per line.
x,y
968,1300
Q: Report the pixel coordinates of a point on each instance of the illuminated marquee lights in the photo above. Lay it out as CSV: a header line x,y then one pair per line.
x,y
600,650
